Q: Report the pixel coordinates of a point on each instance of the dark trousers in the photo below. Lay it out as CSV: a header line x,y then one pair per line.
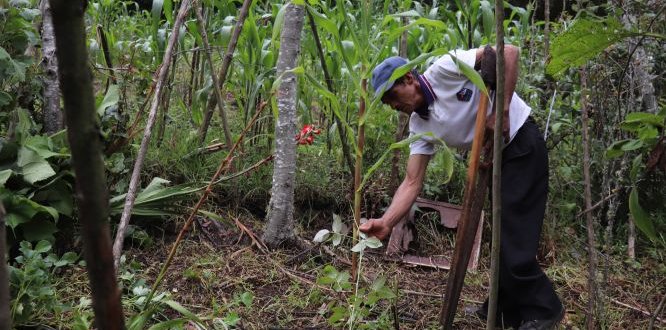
x,y
525,292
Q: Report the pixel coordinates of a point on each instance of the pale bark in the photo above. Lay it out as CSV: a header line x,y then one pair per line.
x,y
5,316
141,155
88,162
52,114
226,62
631,240
591,239
280,227
498,146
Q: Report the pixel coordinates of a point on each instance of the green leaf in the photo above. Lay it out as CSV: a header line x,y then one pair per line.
x,y
615,149
632,144
321,236
359,247
324,22
4,176
182,310
373,243
277,25
34,168
636,167
39,230
246,298
170,324
42,247
4,55
43,146
641,218
644,118
584,40
5,99
111,98
471,74
168,11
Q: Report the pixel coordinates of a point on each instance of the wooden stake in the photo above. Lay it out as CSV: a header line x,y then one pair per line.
x,y
475,192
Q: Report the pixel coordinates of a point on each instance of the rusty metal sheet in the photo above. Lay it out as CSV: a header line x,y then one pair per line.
x,y
404,233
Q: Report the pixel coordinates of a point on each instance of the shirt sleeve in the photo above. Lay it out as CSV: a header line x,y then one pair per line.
x,y
421,147
446,66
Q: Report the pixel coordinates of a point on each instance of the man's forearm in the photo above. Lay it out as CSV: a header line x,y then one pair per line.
x,y
408,191
402,202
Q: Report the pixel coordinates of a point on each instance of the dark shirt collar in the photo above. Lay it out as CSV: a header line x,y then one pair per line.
x,y
429,94
427,89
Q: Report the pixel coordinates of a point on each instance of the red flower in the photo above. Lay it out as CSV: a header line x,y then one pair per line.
x,y
307,134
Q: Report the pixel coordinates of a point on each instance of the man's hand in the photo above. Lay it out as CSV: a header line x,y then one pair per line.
x,y
377,228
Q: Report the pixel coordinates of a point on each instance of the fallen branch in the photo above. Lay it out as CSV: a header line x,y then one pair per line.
x,y
256,241
637,309
601,202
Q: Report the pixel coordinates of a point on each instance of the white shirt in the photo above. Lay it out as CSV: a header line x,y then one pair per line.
x,y
453,112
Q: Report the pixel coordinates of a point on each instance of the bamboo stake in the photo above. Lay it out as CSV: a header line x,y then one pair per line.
x,y
86,147
357,176
591,240
226,62
498,146
5,316
216,83
141,155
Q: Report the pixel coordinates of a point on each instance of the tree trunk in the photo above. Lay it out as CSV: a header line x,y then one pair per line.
x,y
280,215
5,316
86,147
52,115
141,155
226,62
591,240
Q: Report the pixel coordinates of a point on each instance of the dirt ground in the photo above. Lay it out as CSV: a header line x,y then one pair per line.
x,y
211,272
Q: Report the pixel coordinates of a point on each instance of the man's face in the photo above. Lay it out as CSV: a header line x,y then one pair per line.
x,y
405,96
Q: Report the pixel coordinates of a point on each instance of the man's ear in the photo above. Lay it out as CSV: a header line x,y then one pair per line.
x,y
409,78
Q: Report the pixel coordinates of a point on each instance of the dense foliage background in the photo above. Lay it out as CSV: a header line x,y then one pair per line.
x,y
603,56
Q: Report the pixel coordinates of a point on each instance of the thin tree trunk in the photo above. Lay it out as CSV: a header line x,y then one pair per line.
x,y
166,101
329,84
216,83
141,155
280,215
222,77
86,147
193,73
498,146
402,121
5,316
631,240
591,240
107,56
53,121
